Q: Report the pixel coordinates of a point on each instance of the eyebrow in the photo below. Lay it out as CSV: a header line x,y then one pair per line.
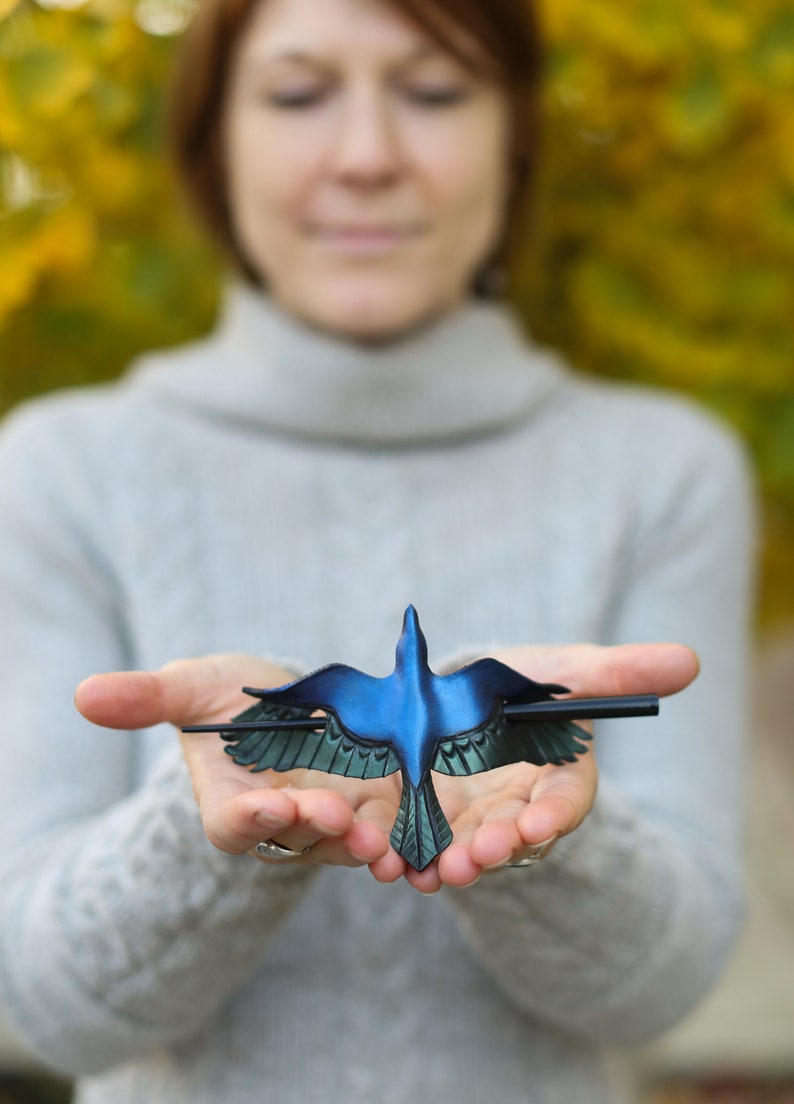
x,y
307,56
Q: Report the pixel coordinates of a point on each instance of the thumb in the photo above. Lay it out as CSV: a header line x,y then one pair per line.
x,y
183,692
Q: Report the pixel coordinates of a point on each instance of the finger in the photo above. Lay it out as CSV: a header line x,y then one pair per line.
x,y
374,803
549,803
478,847
497,840
456,866
325,821
639,669
459,867
336,839
325,852
374,817
363,844
590,669
182,692
486,825
525,856
482,839
485,833
121,699
390,867
427,881
558,806
297,818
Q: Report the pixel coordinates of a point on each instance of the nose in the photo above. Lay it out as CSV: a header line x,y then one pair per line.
x,y
366,150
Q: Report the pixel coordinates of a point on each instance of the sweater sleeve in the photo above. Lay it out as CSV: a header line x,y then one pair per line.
x,y
627,923
121,928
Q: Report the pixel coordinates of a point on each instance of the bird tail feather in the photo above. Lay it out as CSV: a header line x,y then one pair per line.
x,y
421,831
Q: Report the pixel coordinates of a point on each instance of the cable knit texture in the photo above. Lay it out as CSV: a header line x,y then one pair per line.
x,y
271,489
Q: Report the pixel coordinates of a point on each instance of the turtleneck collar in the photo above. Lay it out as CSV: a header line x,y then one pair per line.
x,y
468,373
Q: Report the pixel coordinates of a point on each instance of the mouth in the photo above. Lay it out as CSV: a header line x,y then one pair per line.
x,y
356,240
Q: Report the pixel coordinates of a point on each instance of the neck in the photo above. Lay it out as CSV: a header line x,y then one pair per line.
x,y
468,372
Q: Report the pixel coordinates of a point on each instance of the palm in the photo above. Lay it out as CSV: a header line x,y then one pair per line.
x,y
475,799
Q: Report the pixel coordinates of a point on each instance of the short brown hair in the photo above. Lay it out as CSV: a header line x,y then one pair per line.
x,y
505,31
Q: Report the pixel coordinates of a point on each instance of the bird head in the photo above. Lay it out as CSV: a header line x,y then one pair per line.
x,y
411,647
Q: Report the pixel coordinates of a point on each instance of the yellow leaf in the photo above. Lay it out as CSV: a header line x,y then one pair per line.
x,y
7,7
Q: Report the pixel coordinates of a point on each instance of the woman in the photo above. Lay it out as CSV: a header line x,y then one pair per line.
x,y
363,434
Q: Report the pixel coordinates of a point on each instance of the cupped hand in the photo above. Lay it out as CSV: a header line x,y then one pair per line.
x,y
500,816
344,821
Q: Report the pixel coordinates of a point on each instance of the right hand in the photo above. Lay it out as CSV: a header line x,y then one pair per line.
x,y
345,821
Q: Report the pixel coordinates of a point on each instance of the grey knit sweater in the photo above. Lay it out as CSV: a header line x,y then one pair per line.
x,y
273,490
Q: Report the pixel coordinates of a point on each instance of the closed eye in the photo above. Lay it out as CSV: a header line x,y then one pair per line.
x,y
296,100
437,97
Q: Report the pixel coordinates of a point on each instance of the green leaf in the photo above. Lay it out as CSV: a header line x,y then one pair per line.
x,y
773,53
46,81
697,115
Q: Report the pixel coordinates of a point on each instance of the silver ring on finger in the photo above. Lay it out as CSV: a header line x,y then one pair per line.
x,y
536,855
530,859
269,849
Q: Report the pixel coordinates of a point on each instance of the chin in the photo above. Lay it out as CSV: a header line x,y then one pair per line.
x,y
372,314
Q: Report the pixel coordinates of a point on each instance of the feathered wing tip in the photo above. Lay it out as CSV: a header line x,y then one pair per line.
x,y
499,743
554,742
329,749
421,831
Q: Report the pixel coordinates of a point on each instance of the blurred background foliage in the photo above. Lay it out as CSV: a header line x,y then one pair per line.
x,y
662,248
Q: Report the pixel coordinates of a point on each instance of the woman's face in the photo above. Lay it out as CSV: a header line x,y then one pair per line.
x,y
366,168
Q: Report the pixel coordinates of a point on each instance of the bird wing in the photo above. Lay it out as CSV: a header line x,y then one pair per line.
x,y
486,679
360,702
331,748
500,742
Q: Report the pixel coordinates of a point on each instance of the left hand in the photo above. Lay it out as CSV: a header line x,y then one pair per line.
x,y
502,815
